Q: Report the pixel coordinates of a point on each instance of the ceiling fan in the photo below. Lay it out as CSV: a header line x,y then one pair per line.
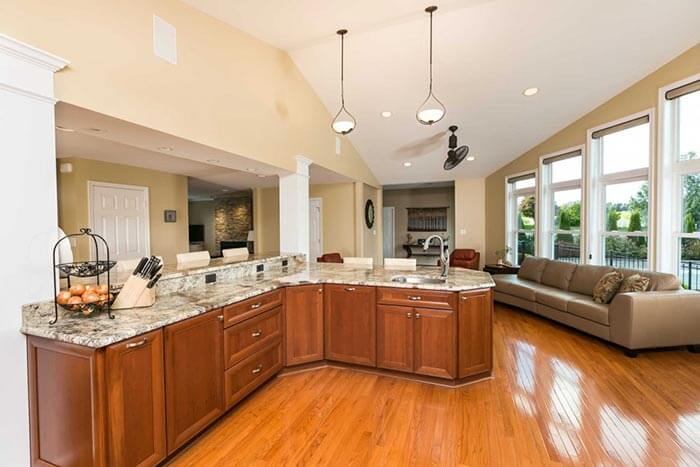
x,y
455,155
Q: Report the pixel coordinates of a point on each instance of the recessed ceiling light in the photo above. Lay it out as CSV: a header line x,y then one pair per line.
x,y
529,92
407,164
165,148
213,161
386,114
62,128
470,158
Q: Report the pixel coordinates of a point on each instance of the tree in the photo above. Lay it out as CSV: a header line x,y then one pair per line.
x,y
613,217
573,212
689,223
564,224
640,203
635,224
527,209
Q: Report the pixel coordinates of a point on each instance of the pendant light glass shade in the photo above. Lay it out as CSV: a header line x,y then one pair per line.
x,y
431,110
343,122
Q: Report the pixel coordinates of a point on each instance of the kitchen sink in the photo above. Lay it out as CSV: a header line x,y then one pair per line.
x,y
418,280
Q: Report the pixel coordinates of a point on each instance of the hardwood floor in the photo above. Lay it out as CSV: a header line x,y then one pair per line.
x,y
557,397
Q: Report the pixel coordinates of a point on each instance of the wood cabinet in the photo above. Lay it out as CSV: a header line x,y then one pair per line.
x,y
135,401
194,374
303,307
252,335
475,333
416,340
350,324
435,343
241,379
395,331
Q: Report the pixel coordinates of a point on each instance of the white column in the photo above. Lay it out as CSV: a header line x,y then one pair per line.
x,y
30,221
294,209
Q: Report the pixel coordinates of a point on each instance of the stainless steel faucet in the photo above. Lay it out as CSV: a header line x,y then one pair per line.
x,y
444,253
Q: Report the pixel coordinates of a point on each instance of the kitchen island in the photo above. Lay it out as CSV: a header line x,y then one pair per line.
x,y
132,390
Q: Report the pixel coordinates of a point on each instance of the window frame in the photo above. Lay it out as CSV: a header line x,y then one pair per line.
x,y
512,195
598,181
670,175
547,191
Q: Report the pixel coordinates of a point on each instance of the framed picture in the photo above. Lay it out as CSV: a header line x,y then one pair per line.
x,y
170,215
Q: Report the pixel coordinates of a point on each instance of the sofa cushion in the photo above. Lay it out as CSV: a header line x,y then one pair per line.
x,y
553,297
606,288
513,285
585,277
634,283
588,309
532,267
657,280
558,274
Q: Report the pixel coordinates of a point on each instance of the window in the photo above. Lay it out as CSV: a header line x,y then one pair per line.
x,y
679,222
619,196
521,215
561,200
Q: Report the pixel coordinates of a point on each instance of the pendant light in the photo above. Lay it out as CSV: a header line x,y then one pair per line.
x,y
344,122
431,110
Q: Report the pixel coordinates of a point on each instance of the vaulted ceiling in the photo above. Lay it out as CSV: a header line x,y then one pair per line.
x,y
578,53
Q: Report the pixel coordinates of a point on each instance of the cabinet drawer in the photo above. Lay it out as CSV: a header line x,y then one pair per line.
x,y
253,306
416,298
247,337
241,379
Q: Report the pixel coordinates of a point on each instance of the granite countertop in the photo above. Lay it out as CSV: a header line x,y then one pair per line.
x,y
100,331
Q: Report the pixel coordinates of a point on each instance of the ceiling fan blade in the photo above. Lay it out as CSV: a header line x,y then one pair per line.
x,y
420,147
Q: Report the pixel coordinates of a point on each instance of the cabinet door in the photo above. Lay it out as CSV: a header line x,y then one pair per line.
x,y
475,328
350,324
435,342
135,401
194,375
395,326
304,324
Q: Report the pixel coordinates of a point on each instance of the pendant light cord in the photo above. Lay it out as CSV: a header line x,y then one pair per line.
x,y
431,53
342,70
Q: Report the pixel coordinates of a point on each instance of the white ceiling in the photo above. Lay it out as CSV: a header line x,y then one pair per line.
x,y
579,53
99,137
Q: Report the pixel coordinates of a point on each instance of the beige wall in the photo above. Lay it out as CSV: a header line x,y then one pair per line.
x,y
338,216
470,215
202,212
266,219
638,97
419,198
228,90
165,191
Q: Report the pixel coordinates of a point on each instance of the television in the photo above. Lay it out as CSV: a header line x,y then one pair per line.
x,y
196,233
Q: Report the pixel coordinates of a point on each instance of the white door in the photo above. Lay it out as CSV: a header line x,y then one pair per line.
x,y
315,228
120,214
388,232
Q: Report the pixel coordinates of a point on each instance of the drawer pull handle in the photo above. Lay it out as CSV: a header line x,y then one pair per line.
x,y
320,290
417,315
220,317
257,333
415,297
133,345
350,289
255,306
409,315
257,369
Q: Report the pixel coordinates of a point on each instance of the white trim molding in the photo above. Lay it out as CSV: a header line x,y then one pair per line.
x,y
30,54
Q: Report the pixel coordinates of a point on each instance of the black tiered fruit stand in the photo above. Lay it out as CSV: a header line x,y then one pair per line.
x,y
84,269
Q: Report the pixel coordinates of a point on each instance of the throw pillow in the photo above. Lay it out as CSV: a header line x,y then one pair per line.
x,y
634,283
607,286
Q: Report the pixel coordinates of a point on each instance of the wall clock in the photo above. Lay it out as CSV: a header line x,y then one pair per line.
x,y
369,213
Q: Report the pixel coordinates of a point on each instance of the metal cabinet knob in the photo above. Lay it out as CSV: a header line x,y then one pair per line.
x,y
255,305
409,315
220,317
257,333
257,369
417,315
415,297
350,289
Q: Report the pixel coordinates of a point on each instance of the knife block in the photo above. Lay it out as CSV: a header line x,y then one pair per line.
x,y
135,294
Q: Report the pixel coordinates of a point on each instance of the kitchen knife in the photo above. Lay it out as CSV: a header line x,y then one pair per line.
x,y
153,281
140,266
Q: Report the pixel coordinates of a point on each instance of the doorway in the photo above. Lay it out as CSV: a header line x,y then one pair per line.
x,y
388,232
119,213
315,228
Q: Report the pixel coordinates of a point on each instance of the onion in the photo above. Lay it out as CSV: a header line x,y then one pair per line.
x,y
63,297
90,288
90,297
102,289
74,300
77,289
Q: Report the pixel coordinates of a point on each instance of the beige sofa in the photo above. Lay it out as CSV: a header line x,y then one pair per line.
x,y
664,316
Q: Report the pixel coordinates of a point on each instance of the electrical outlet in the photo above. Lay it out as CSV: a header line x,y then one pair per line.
x,y
259,268
209,278
285,263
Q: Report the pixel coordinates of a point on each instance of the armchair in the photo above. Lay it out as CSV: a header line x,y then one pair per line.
x,y
464,258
